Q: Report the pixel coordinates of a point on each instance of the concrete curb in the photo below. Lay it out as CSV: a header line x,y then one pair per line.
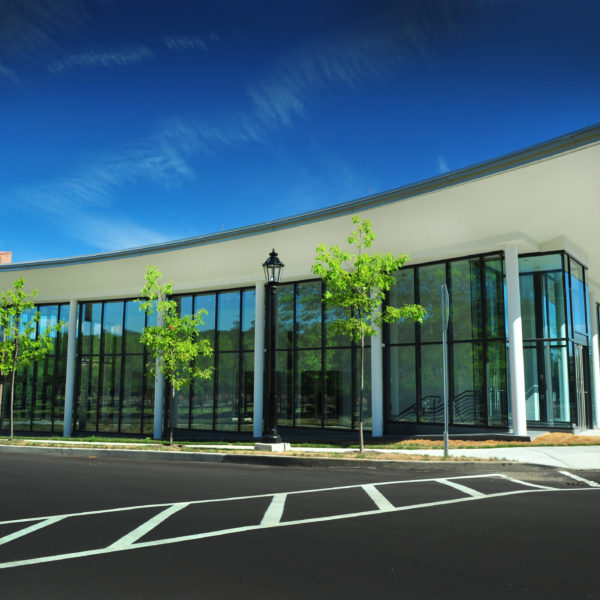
x,y
275,460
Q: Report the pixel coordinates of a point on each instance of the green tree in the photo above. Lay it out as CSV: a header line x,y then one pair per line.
x,y
357,284
175,341
19,344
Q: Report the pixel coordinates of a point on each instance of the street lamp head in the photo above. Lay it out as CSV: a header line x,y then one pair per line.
x,y
273,267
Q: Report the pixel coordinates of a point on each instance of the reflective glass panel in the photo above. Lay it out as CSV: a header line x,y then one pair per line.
x,y
465,299
431,409
338,388
248,318
308,314
134,326
229,320
207,302
113,327
285,316
108,416
308,388
431,279
202,398
496,391
403,384
578,297
402,293
133,382
284,390
227,392
246,407
494,297
468,406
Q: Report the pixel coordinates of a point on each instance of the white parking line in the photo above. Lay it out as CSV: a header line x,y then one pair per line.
x,y
578,478
461,488
274,513
271,518
149,525
30,529
381,502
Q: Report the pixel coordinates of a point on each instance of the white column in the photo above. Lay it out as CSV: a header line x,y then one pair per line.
x,y
71,368
595,359
377,384
159,392
259,358
515,341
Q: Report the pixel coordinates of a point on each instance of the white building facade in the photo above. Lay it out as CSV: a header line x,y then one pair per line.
x,y
514,239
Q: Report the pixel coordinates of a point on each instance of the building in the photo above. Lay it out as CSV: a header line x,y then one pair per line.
x,y
514,238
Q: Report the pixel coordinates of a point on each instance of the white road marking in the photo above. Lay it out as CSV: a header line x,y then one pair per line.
x,y
149,525
461,488
272,517
527,483
274,513
578,478
27,530
381,502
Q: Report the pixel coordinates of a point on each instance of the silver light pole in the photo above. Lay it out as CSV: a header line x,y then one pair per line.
x,y
445,319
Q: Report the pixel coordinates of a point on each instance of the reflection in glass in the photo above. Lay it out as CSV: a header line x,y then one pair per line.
x,y
465,299
403,384
578,293
402,293
431,403
248,318
431,279
229,320
494,297
133,382
338,388
467,402
308,389
308,314
495,376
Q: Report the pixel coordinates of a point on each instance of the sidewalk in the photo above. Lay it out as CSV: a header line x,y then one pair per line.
x,y
566,457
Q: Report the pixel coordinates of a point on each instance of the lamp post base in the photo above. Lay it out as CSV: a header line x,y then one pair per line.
x,y
271,436
266,447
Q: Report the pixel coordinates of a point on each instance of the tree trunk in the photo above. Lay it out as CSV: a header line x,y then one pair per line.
x,y
362,391
172,415
12,402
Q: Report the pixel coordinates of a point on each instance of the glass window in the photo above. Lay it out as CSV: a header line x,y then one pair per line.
x,y
496,390
202,401
431,279
308,389
403,384
578,294
308,314
248,318
227,392
134,326
431,409
338,388
284,382
285,316
402,293
207,302
468,403
465,299
494,297
133,396
229,320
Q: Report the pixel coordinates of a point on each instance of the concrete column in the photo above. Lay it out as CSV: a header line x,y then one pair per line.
x,y
159,393
71,369
377,384
595,349
259,358
515,341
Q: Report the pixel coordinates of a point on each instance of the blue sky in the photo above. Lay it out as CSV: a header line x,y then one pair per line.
x,y
130,123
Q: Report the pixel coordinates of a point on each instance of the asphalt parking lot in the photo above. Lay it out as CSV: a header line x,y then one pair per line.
x,y
93,528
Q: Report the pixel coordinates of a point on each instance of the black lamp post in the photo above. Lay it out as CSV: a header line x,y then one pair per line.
x,y
272,267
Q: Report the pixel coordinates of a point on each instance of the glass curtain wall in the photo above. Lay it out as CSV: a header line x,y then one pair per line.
x,y
476,345
317,370
40,387
226,401
114,392
555,339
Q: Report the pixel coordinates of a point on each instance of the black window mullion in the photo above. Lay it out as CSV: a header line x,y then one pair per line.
x,y
417,350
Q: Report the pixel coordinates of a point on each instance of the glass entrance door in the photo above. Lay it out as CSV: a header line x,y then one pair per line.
x,y
584,412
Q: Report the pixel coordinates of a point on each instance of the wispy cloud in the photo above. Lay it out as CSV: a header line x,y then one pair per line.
x,y
29,28
441,165
104,58
184,43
